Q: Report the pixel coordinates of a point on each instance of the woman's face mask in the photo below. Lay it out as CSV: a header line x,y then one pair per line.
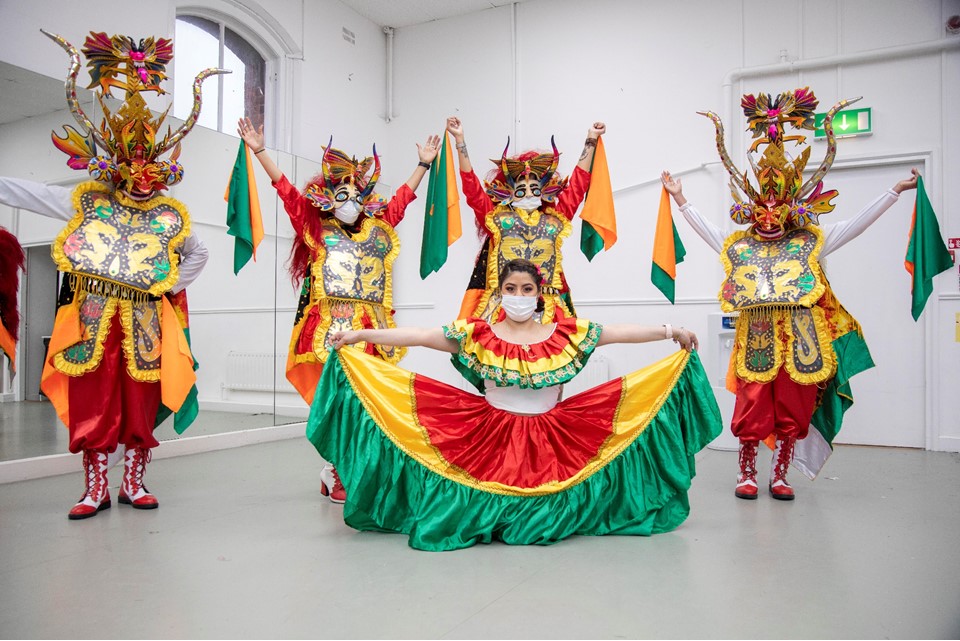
x,y
348,212
527,204
526,194
519,308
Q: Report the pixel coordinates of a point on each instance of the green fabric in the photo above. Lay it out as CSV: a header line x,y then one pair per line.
x,y
238,212
661,279
925,251
190,408
433,251
853,357
642,491
590,240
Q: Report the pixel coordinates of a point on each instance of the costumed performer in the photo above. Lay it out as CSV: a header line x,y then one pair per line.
x,y
523,210
118,349
452,469
343,253
796,347
11,263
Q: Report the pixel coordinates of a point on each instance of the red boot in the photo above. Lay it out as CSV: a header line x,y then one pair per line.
x,y
747,479
97,496
782,456
330,485
132,490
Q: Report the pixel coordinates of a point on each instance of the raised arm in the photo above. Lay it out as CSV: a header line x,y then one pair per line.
x,y
596,130
254,139
52,201
432,337
709,232
839,234
455,127
629,333
426,154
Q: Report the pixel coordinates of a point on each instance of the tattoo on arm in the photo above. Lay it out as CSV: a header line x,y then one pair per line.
x,y
584,154
462,148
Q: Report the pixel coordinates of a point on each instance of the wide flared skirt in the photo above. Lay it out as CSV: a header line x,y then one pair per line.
x,y
426,459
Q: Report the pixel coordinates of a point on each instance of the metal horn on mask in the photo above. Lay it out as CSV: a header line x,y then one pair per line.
x,y
547,175
70,86
325,165
374,178
738,179
171,140
503,165
831,154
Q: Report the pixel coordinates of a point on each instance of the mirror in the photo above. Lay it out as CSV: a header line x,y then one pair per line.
x,y
240,325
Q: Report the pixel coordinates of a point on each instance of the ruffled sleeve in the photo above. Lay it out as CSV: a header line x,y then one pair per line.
x,y
485,357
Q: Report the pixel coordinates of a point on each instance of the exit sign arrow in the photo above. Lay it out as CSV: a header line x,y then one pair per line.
x,y
851,122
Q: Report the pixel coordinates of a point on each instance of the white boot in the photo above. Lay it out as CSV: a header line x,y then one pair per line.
x,y
96,497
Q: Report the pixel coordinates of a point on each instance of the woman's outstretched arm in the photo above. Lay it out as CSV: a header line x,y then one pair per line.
x,y
629,333
432,337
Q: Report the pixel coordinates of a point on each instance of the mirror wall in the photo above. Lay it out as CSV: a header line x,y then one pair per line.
x,y
240,324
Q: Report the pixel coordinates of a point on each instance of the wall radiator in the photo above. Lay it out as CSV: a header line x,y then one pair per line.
x,y
257,372
596,372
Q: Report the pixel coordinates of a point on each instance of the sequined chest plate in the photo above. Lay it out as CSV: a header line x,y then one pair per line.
x,y
772,273
355,268
121,241
535,236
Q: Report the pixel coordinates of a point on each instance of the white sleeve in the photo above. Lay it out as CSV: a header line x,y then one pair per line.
x,y
193,256
839,234
53,201
712,234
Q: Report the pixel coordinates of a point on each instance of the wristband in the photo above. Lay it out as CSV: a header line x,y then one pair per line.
x,y
425,165
259,150
668,331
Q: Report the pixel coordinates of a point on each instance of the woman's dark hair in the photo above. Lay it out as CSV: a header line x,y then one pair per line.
x,y
526,267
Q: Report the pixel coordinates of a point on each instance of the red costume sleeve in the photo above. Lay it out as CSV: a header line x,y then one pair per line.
x,y
476,196
572,195
398,205
294,203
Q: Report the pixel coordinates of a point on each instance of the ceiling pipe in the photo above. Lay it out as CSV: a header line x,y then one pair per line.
x,y
389,31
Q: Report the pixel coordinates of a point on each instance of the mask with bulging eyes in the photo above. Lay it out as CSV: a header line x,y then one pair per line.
x,y
526,194
348,212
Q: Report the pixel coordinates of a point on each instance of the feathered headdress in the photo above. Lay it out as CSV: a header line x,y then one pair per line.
x,y
129,136
781,193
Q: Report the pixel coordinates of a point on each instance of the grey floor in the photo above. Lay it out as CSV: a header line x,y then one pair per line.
x,y
244,546
31,428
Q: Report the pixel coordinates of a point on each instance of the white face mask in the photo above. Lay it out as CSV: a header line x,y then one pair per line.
x,y
348,212
528,203
519,308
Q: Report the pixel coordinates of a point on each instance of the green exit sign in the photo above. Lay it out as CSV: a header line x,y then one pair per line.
x,y
852,122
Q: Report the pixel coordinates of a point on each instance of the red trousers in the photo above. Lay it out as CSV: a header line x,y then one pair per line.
x,y
782,407
107,406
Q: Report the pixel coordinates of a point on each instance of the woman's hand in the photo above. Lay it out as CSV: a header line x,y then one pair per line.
x,y
250,134
455,127
910,183
673,187
429,150
686,339
339,339
596,130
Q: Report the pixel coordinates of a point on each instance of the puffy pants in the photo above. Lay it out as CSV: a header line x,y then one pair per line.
x,y
782,407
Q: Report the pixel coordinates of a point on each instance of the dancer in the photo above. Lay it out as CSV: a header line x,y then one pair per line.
x,y
796,346
117,348
344,259
452,469
522,211
11,263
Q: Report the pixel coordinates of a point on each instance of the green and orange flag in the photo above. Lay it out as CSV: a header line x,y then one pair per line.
x,y
441,225
668,250
244,221
927,255
599,229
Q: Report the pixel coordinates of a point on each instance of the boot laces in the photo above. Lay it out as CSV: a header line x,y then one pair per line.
x,y
784,456
337,485
95,478
138,465
748,460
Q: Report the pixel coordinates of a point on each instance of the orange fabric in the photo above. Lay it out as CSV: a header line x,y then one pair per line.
x,y
598,209
664,250
176,363
67,331
8,345
304,377
454,229
256,218
471,300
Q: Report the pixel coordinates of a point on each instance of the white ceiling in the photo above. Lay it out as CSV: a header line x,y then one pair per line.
x,y
403,13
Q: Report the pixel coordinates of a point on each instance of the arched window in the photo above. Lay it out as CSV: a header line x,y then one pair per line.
x,y
201,43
